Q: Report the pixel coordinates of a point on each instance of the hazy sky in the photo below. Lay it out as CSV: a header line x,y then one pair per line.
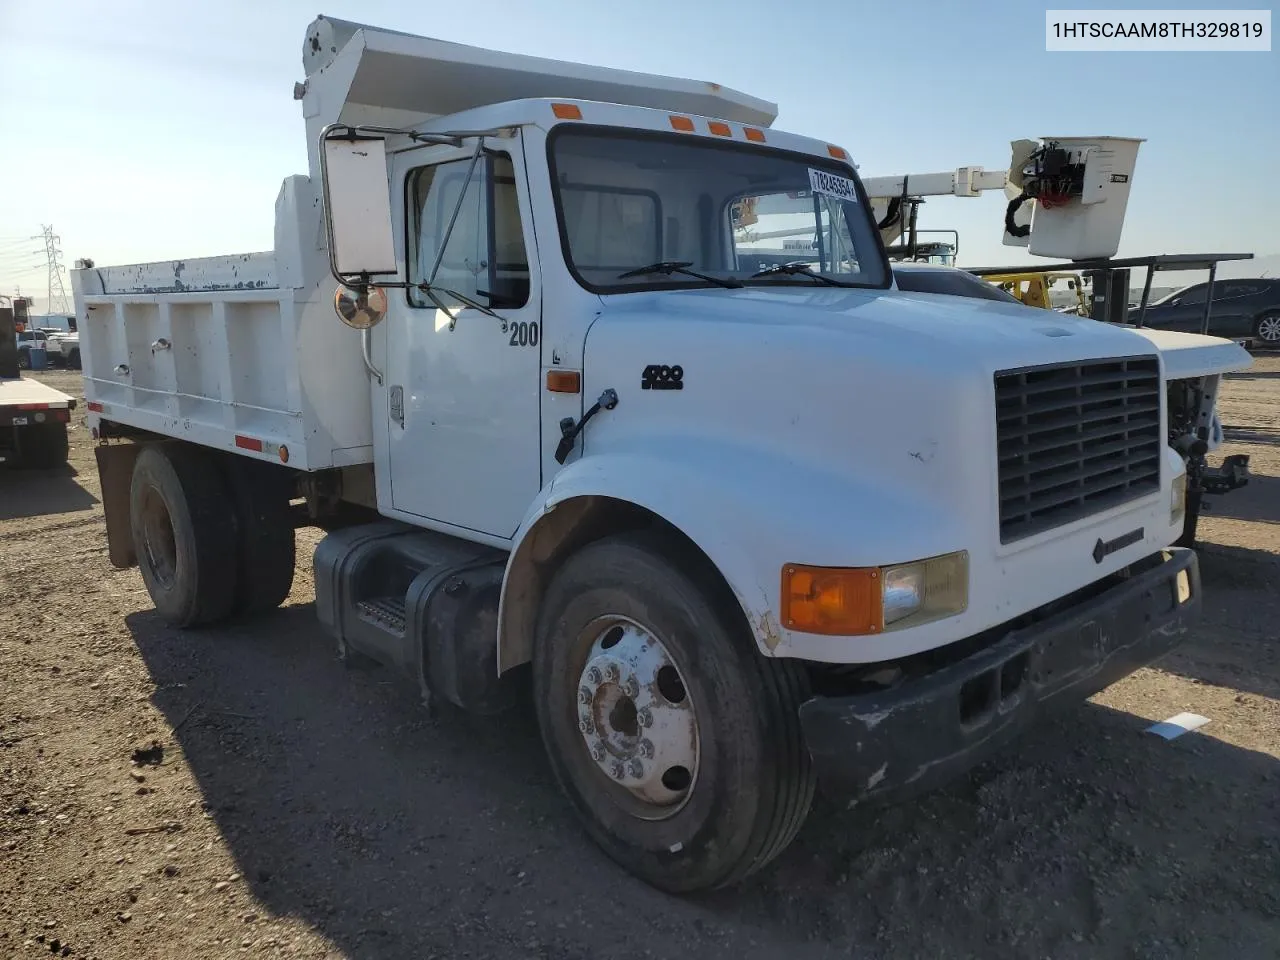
x,y
146,131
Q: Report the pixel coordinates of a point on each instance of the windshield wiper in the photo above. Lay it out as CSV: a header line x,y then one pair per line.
x,y
798,269
668,267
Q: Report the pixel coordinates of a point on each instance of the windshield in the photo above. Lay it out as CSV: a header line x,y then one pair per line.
x,y
630,199
1194,293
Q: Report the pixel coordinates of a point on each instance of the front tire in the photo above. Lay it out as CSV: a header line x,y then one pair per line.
x,y
184,534
682,753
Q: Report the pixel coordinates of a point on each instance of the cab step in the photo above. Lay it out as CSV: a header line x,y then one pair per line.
x,y
421,603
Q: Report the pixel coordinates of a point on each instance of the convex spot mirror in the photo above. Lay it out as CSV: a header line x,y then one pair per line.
x,y
360,309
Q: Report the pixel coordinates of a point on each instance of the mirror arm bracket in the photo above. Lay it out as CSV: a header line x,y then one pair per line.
x,y
366,337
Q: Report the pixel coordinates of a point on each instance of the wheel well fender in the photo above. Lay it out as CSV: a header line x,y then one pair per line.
x,y
555,529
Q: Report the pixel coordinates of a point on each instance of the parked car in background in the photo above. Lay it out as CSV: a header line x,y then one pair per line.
x,y
1241,308
64,349
26,338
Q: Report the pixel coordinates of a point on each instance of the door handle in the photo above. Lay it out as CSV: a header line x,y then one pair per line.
x,y
396,400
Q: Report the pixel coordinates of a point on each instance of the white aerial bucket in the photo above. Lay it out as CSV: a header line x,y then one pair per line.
x,y
1089,226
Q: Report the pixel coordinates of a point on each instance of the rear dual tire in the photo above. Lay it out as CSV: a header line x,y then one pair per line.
x,y
213,538
751,785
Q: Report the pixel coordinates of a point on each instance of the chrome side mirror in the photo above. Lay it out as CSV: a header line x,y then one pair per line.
x,y
360,309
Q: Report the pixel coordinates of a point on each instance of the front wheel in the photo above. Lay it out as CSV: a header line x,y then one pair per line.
x,y
677,743
1267,329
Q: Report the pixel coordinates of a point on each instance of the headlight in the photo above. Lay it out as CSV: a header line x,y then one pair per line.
x,y
916,593
854,601
1178,499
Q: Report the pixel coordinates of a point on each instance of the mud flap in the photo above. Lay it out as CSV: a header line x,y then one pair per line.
x,y
115,473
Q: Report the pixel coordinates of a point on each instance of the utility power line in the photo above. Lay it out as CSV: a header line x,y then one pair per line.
x,y
57,301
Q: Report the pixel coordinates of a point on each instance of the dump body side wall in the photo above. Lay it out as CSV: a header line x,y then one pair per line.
x,y
239,353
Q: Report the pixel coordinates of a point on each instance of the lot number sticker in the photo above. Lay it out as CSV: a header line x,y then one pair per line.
x,y
832,185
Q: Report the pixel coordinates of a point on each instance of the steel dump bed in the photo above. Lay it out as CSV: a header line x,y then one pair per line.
x,y
212,351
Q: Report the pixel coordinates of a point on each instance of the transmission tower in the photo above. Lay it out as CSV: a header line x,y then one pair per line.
x,y
57,299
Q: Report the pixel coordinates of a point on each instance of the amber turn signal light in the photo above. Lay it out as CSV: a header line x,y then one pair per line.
x,y
842,601
564,381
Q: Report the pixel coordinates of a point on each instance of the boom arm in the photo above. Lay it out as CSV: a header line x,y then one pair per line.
x,y
961,182
895,200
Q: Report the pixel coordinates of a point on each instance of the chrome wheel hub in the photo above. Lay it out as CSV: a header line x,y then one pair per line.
x,y
1269,329
636,718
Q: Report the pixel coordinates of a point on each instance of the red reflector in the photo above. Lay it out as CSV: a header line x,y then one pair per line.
x,y
95,406
62,415
33,406
248,443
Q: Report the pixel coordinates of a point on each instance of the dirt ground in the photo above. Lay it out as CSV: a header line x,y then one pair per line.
x,y
284,806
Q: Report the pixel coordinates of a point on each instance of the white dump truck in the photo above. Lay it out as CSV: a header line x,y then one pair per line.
x,y
745,527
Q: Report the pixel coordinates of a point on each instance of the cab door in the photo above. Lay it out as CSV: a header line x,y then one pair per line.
x,y
461,386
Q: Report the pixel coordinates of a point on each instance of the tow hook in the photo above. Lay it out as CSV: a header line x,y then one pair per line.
x,y
1233,473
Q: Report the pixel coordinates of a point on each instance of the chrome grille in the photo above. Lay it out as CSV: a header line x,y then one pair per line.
x,y
1075,439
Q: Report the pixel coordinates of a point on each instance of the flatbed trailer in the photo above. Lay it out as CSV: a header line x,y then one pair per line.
x,y
33,416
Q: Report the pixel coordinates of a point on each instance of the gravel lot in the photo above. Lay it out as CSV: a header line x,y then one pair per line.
x,y
285,806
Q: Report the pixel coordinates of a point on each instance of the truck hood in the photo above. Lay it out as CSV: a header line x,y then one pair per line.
x,y
851,428
988,333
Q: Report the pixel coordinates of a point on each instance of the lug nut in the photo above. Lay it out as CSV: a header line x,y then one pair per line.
x,y
594,676
586,726
646,749
636,769
645,717
612,673
597,752
584,696
617,770
631,688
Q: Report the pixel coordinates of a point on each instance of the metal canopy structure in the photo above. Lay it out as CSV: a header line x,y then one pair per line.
x,y
1153,264
1162,261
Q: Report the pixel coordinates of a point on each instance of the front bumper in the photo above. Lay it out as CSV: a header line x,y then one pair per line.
x,y
928,730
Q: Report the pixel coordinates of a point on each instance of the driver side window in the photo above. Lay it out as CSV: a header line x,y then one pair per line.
x,y
483,256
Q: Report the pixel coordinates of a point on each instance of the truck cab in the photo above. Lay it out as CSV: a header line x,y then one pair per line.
x,y
747,517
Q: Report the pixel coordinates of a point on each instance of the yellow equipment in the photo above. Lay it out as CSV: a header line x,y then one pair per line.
x,y
1032,289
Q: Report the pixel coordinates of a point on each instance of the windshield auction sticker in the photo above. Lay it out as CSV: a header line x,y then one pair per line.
x,y
832,185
